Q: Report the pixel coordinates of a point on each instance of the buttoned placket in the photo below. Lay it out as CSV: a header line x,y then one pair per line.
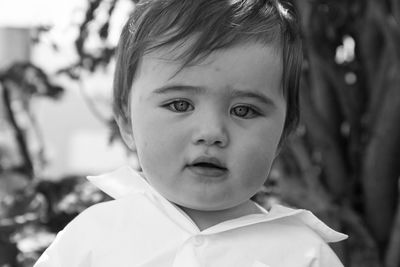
x,y
189,254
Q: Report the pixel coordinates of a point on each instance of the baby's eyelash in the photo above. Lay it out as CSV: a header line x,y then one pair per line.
x,y
179,105
243,111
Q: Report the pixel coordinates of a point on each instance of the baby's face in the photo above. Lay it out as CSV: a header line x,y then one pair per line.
x,y
206,137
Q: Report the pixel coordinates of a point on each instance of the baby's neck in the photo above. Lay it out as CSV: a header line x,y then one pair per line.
x,y
206,219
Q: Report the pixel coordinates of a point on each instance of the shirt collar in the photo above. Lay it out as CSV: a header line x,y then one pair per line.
x,y
125,181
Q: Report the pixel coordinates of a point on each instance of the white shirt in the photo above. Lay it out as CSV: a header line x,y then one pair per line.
x,y
140,228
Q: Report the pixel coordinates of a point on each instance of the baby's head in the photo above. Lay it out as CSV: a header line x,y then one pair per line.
x,y
205,91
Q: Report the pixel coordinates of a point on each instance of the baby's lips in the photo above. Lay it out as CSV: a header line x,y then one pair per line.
x,y
204,160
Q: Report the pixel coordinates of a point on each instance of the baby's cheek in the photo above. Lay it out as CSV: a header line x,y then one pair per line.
x,y
256,169
258,174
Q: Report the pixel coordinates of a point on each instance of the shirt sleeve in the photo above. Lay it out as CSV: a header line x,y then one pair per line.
x,y
72,246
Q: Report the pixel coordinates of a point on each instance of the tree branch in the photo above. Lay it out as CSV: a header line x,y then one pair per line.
x,y
326,141
380,164
19,135
362,247
392,258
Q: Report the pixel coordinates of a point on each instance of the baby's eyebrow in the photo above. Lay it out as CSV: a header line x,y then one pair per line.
x,y
234,93
253,94
179,88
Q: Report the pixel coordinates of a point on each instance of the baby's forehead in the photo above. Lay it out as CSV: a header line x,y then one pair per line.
x,y
245,66
181,56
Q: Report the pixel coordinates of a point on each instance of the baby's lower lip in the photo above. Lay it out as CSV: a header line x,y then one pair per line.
x,y
207,171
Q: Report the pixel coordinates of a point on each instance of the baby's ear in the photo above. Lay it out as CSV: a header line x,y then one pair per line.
x,y
125,128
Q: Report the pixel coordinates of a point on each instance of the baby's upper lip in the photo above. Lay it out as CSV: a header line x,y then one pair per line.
x,y
208,160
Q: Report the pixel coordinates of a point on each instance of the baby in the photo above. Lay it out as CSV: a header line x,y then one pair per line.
x,y
205,93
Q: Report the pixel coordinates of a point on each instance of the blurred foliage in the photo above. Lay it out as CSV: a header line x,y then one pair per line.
x,y
31,210
31,217
19,84
342,163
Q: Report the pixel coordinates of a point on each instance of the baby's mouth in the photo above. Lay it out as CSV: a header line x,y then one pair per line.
x,y
208,165
204,166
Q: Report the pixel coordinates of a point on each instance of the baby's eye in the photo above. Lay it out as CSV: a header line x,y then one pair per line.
x,y
245,112
179,106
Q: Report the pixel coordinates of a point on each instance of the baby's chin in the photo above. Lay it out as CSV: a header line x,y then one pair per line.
x,y
201,208
222,207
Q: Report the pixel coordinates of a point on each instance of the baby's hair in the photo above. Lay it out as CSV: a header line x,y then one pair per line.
x,y
214,25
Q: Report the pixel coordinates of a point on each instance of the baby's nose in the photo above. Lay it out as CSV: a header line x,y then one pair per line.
x,y
211,131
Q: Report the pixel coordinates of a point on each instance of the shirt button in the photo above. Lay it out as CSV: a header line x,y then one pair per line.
x,y
198,240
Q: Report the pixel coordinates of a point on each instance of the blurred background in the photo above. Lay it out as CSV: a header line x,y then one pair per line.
x,y
56,127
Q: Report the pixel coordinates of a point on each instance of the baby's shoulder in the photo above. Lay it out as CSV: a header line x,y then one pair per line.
x,y
85,236
298,233
292,229
104,216
303,225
